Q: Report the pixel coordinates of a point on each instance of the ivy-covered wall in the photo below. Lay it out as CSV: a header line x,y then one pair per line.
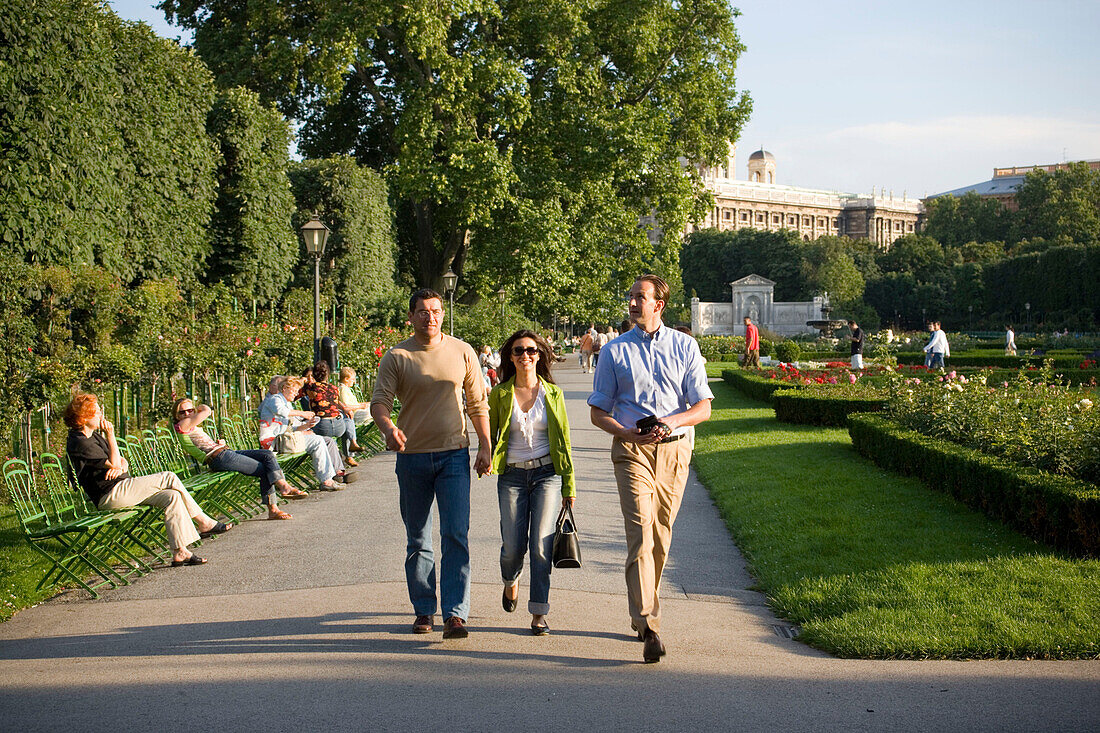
x,y
104,158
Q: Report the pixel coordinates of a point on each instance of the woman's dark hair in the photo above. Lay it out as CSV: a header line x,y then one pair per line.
x,y
307,372
320,371
542,366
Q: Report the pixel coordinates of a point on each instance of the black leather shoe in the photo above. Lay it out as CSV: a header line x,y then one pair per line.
x,y
654,649
509,604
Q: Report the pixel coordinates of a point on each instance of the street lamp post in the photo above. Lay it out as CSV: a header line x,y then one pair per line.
x,y
501,295
1027,307
450,282
314,236
971,309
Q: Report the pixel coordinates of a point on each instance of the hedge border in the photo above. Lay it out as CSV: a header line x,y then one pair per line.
x,y
801,407
754,387
1061,511
998,361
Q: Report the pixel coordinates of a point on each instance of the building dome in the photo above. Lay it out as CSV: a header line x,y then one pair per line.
x,y
762,167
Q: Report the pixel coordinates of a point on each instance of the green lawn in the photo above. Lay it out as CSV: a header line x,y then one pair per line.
x,y
871,564
20,567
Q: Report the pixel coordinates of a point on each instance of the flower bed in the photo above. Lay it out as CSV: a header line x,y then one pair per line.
x,y
1028,422
1059,510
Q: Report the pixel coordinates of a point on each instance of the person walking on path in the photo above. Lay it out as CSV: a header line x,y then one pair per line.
x,y
430,373
937,348
752,345
533,460
586,352
650,388
1010,341
856,336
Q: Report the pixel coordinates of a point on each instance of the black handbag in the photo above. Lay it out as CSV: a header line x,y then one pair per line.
x,y
567,546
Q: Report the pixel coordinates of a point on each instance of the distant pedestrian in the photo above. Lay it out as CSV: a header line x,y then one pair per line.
x,y
1010,341
438,380
856,336
650,387
752,346
937,348
586,352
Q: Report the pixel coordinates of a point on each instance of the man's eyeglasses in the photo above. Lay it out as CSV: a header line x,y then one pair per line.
x,y
521,350
437,314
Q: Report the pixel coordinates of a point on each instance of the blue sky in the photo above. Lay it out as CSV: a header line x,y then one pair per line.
x,y
917,97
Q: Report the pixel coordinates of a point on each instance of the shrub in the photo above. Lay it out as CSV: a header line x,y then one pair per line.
x,y
788,351
753,385
822,406
1033,423
1059,510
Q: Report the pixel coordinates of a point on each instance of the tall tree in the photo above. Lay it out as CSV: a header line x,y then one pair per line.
x,y
1064,204
522,138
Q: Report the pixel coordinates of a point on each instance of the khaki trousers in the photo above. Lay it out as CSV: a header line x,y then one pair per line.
x,y
651,481
163,490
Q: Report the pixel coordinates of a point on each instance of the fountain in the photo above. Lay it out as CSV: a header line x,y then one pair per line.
x,y
826,325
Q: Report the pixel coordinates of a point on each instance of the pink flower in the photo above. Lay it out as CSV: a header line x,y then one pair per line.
x,y
951,374
851,379
248,353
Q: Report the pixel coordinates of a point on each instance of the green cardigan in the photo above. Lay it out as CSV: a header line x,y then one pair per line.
x,y
500,421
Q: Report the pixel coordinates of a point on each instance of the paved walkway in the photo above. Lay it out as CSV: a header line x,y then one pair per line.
x,y
303,625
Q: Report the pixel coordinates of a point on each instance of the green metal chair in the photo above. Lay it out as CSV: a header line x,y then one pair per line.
x,y
143,533
75,546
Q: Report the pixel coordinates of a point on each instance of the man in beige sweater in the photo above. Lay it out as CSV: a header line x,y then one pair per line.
x,y
430,373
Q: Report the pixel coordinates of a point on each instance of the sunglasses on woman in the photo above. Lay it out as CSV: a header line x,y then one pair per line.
x,y
521,350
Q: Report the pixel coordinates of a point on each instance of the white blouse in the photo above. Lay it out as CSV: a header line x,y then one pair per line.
x,y
528,432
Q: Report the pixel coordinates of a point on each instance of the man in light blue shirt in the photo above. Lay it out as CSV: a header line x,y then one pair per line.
x,y
650,388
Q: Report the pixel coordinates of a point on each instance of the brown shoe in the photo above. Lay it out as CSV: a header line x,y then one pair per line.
x,y
455,628
654,649
422,625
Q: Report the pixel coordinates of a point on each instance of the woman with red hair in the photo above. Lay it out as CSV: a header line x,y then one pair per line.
x,y
101,471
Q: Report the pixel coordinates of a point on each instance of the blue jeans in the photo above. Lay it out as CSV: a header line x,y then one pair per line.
x,y
260,463
337,428
529,504
936,362
443,477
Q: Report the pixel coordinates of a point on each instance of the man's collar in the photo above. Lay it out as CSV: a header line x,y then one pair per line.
x,y
656,335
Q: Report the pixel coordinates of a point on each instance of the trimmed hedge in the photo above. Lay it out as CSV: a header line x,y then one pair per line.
x,y
1060,511
998,361
757,388
807,407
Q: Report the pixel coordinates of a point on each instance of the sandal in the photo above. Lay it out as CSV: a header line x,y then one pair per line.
x,y
193,560
274,513
295,494
218,528
349,461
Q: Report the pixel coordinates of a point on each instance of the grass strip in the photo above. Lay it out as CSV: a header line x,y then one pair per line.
x,y
874,565
20,567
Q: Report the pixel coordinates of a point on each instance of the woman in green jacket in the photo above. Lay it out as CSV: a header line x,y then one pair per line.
x,y
531,456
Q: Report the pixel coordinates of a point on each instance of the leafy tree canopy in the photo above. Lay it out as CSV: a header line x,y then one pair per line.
x,y
1062,204
522,140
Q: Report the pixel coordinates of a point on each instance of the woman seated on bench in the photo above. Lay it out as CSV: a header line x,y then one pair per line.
x,y
101,471
217,455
